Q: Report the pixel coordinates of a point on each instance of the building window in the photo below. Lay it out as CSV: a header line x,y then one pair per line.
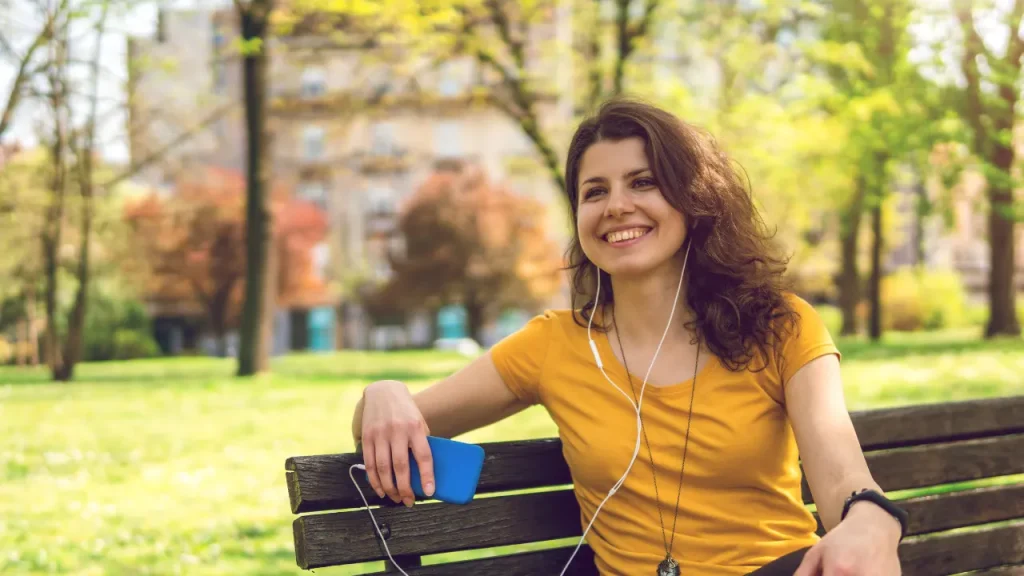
x,y
314,82
448,139
313,143
383,138
382,201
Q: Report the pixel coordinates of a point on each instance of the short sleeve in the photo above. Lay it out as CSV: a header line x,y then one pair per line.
x,y
809,339
520,357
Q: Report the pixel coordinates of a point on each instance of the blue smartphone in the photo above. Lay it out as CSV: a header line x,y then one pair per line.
x,y
457,467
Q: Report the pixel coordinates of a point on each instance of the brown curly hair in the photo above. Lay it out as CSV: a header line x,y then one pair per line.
x,y
734,279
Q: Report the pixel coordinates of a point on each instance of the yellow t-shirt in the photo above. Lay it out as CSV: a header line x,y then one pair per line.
x,y
741,505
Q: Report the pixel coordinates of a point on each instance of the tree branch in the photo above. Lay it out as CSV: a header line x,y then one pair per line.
x,y
23,73
185,136
973,46
515,46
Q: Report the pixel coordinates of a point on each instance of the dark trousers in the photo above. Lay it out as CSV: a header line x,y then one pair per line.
x,y
784,566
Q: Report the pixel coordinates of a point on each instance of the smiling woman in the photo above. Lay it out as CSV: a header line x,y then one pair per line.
x,y
695,464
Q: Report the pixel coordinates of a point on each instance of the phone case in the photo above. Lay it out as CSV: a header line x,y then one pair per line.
x,y
457,468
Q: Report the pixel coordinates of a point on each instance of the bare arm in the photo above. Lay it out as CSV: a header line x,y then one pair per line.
x,y
829,449
472,398
389,421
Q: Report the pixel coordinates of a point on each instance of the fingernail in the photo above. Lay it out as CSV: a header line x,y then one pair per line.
x,y
408,503
428,489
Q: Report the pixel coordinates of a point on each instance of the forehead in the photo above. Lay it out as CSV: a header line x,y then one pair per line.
x,y
612,158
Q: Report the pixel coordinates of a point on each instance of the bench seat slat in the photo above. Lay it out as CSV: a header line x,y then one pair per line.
x,y
541,562
317,483
961,552
431,528
992,550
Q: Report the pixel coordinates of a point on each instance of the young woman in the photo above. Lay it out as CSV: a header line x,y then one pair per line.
x,y
678,310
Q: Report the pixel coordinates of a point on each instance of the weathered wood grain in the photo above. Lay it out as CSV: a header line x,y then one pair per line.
x,y
960,552
317,483
430,528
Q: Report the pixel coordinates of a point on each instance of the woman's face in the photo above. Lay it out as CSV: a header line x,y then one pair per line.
x,y
626,226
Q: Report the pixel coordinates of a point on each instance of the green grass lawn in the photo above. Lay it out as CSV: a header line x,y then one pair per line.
x,y
175,467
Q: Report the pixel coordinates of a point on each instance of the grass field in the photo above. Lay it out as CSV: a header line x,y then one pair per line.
x,y
175,467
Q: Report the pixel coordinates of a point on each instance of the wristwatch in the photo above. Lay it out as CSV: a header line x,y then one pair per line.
x,y
881,501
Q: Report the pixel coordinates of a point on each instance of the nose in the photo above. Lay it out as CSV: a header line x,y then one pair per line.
x,y
620,201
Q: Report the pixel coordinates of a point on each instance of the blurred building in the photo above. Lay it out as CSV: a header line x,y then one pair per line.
x,y
347,132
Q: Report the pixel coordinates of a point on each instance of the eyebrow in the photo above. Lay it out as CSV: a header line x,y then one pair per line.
x,y
629,174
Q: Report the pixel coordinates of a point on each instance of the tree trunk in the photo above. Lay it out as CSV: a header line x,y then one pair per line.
x,y
1001,294
76,321
32,334
875,282
1002,320
253,347
849,278
54,224
475,318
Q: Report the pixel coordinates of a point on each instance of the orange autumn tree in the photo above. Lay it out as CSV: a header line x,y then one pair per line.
x,y
469,241
193,240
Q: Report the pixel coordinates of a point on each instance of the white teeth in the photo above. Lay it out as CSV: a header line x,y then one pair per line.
x,y
623,235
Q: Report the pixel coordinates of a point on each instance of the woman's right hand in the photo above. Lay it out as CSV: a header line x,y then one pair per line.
x,y
392,425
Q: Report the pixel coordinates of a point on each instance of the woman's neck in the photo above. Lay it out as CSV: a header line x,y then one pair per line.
x,y
642,307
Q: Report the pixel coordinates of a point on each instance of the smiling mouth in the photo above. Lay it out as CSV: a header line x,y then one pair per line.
x,y
623,236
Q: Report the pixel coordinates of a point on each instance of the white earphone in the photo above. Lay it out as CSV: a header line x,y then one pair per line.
x,y
640,399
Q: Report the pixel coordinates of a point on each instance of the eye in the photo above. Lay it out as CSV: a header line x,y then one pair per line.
x,y
592,192
644,183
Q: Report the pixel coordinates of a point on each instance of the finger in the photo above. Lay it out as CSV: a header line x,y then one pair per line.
x,y
369,460
400,462
425,461
384,470
811,565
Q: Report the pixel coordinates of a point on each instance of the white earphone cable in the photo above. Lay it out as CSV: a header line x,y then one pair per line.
x,y
600,365
372,519
636,406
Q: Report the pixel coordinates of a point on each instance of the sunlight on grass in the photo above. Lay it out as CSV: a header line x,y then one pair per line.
x,y
173,466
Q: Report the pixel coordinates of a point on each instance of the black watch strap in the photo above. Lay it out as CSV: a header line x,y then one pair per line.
x,y
881,501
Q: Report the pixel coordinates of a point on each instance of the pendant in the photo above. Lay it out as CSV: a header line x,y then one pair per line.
x,y
668,567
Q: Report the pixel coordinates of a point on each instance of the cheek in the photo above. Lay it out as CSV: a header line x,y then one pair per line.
x,y
586,227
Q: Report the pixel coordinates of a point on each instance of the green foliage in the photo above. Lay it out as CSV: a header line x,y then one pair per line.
x,y
924,300
832,317
117,328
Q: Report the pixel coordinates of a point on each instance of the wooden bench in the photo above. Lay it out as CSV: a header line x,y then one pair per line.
x,y
914,447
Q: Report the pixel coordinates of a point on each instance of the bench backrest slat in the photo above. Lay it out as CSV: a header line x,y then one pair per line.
x,y
961,552
969,507
923,466
485,522
912,447
940,422
317,483
321,482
